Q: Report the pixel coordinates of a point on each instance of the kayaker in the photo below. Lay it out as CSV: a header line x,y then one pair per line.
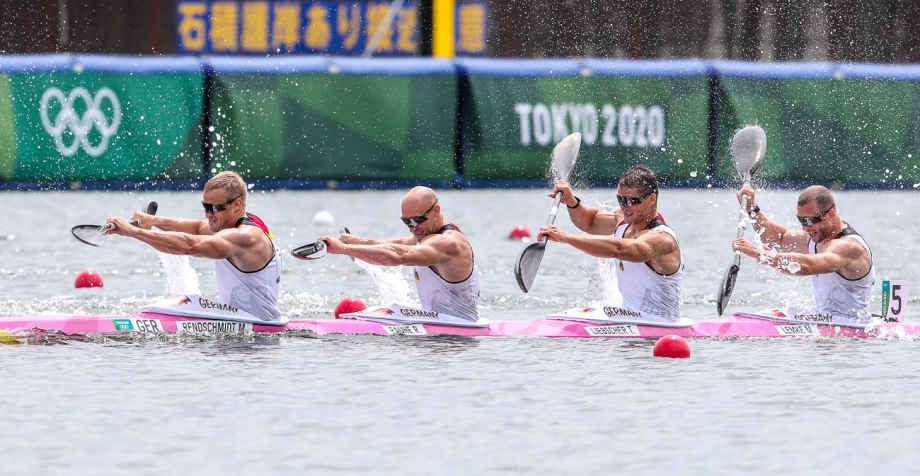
x,y
248,266
830,251
645,250
446,276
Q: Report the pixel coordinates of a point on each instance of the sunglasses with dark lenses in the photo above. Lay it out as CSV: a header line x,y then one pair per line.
x,y
630,201
416,221
810,221
214,208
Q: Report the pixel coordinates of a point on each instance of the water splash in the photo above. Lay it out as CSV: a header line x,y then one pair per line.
x,y
178,276
602,284
790,290
391,284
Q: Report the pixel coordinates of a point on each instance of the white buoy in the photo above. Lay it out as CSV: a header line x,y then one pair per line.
x,y
323,218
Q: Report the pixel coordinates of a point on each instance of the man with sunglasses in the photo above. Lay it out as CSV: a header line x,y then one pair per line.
x,y
830,251
446,277
248,266
645,250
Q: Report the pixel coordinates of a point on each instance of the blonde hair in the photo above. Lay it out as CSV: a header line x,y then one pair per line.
x,y
229,181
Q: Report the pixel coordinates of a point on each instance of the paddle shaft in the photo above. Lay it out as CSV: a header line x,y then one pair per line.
x,y
552,213
741,226
111,226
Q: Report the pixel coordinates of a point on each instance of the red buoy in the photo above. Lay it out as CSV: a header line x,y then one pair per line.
x,y
88,279
349,304
519,232
672,346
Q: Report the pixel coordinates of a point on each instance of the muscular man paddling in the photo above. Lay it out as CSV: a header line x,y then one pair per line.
x,y
645,249
829,250
446,277
248,263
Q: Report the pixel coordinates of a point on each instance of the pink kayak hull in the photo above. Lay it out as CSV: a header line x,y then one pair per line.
x,y
739,325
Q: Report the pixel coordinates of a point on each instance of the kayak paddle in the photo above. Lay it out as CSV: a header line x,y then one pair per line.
x,y
97,235
749,145
528,262
312,251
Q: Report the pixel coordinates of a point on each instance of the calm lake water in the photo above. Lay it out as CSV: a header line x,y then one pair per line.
x,y
370,405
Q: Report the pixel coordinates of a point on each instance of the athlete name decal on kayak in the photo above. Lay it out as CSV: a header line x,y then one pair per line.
x,y
619,311
418,313
798,330
624,330
138,325
814,317
208,304
409,330
213,327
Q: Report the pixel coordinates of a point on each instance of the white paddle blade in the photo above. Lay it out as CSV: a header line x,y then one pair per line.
x,y
311,251
564,155
749,145
93,235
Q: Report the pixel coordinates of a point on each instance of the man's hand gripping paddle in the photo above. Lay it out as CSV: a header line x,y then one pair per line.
x,y
528,263
312,251
97,235
748,149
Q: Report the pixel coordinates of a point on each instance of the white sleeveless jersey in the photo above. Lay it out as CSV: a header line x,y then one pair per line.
x,y
255,292
456,299
840,296
655,296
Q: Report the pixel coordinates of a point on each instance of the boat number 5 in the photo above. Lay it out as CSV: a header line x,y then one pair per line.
x,y
895,295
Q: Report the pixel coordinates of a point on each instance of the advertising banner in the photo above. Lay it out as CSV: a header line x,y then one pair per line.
x,y
825,123
343,28
629,113
347,119
101,118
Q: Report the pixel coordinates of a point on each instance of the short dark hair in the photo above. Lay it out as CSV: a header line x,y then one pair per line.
x,y
640,178
818,194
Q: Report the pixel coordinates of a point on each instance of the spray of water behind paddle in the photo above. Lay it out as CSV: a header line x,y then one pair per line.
x,y
391,285
178,276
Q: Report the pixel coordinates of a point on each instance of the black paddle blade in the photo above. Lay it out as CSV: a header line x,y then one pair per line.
x,y
93,235
97,235
726,288
311,251
528,263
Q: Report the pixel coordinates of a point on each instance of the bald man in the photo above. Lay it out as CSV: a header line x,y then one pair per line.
x,y
827,249
446,277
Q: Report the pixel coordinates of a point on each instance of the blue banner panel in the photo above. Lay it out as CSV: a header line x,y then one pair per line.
x,y
279,27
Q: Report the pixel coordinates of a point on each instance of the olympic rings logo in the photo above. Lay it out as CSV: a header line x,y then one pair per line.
x,y
69,119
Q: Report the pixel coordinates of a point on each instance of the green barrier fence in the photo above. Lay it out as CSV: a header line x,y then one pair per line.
x,y
91,118
309,121
629,113
856,125
347,120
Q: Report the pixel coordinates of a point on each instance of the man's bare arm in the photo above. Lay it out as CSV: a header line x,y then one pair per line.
x,y
360,240
588,219
217,246
183,225
837,257
646,247
434,250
